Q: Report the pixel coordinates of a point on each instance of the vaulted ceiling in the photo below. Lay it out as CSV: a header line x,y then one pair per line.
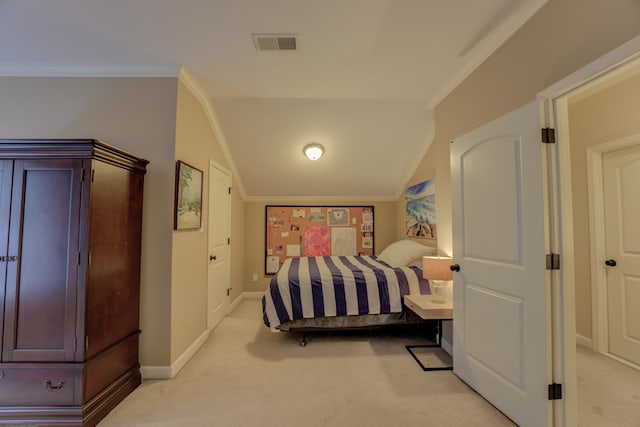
x,y
363,80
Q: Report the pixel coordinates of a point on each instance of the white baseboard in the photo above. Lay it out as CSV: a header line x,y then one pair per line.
x,y
242,296
446,346
621,360
168,372
156,372
254,294
583,341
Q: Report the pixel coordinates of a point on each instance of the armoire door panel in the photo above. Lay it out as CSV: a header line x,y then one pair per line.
x,y
114,274
6,171
43,261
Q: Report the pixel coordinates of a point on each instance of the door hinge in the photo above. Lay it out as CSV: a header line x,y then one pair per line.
x,y
553,262
228,291
93,174
555,391
228,240
75,344
82,174
79,257
229,190
86,343
548,135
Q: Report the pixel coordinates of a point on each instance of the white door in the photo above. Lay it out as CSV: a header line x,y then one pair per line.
x,y
621,173
219,276
500,292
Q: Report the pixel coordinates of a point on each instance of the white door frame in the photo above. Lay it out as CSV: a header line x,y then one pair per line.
x,y
554,100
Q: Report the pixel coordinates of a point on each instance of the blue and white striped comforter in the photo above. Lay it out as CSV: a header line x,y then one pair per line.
x,y
337,286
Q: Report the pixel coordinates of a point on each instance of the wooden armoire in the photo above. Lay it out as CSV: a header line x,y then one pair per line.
x,y
70,236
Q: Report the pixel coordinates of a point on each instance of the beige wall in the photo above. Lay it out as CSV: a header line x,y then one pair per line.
x,y
426,170
384,226
196,143
158,119
562,37
238,245
602,117
137,115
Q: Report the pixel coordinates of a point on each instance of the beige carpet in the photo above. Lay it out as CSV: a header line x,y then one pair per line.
x,y
608,391
246,375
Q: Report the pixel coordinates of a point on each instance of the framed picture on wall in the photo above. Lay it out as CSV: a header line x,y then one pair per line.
x,y
188,201
420,210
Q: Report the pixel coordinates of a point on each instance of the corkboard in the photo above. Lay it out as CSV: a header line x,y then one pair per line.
x,y
293,231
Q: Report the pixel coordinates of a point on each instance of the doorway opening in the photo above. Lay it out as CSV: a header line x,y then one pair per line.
x,y
576,108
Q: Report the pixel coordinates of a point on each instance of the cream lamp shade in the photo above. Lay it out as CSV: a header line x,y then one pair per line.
x,y
437,268
313,151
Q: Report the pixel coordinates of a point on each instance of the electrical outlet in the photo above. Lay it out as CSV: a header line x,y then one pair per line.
x,y
255,277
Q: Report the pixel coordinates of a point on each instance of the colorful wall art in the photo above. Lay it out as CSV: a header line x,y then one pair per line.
x,y
420,210
293,231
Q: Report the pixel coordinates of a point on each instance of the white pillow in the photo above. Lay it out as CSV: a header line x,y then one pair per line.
x,y
403,252
416,263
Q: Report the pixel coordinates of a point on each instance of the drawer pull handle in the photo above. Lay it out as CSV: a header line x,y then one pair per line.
x,y
49,387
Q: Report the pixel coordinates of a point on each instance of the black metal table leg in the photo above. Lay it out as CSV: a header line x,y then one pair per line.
x,y
438,344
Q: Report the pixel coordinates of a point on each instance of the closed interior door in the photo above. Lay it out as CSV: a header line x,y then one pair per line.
x,y
219,235
621,174
500,313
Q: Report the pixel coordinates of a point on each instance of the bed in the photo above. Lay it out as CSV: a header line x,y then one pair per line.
x,y
344,292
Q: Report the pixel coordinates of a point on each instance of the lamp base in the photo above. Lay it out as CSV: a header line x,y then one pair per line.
x,y
438,291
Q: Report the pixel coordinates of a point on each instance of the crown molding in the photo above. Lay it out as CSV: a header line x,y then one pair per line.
x,y
419,155
194,87
48,70
179,72
319,199
486,48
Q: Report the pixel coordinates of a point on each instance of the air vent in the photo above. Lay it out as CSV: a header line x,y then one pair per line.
x,y
275,41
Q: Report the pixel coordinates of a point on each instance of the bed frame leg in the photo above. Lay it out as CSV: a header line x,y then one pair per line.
x,y
303,341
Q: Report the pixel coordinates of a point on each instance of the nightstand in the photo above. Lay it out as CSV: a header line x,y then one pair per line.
x,y
428,310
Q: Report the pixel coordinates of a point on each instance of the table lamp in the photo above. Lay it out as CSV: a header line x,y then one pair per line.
x,y
437,270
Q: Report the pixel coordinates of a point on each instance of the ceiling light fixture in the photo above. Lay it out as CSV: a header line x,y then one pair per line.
x,y
313,151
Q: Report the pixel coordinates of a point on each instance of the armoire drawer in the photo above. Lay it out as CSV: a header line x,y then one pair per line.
x,y
46,386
